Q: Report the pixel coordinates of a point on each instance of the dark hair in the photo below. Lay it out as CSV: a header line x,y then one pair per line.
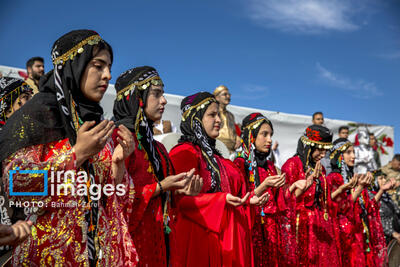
x,y
396,157
371,134
343,128
31,61
317,113
103,45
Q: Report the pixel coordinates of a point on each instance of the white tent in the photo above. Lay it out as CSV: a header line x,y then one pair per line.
x,y
288,127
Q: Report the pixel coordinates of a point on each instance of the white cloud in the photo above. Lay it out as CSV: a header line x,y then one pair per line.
x,y
357,88
305,16
392,55
252,91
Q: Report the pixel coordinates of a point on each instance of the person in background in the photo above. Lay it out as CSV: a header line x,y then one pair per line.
x,y
344,132
392,170
14,93
318,118
35,70
389,210
227,133
374,144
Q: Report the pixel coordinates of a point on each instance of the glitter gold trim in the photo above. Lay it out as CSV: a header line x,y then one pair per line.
x,y
70,54
198,106
342,148
324,145
142,85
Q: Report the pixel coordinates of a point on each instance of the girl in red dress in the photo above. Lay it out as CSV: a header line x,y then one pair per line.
x,y
55,132
213,228
273,241
315,227
140,102
361,233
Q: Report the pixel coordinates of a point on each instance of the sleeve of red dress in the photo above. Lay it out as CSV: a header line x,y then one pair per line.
x,y
142,198
205,209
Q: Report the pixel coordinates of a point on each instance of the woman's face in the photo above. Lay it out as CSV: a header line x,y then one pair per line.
x,y
318,154
155,104
349,156
263,140
22,99
211,121
95,79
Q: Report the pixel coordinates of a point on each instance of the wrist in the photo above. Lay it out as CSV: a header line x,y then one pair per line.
x,y
161,187
80,157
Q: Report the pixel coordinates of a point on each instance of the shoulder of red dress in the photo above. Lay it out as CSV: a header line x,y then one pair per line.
x,y
186,146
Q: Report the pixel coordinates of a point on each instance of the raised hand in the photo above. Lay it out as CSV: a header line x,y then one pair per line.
x,y
270,181
178,181
259,201
193,188
388,185
236,201
353,181
91,140
126,145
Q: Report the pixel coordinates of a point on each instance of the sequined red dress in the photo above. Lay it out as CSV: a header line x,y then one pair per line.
x,y
351,248
273,239
316,233
207,231
59,233
146,215
369,232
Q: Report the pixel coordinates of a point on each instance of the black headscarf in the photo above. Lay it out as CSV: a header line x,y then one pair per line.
x,y
338,164
57,110
133,87
315,136
252,157
10,90
193,108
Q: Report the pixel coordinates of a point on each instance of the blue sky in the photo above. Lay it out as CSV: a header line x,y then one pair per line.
x,y
295,56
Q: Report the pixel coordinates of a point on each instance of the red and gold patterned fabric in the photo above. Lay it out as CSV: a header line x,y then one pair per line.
x,y
59,233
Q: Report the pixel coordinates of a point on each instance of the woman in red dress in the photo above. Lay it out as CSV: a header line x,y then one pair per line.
x,y
140,102
213,228
273,241
361,233
55,132
315,227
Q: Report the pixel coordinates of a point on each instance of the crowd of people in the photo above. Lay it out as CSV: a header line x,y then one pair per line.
x,y
331,204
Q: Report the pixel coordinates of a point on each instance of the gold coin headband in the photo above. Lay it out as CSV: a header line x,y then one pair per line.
x,y
77,49
142,85
198,106
318,144
257,123
342,148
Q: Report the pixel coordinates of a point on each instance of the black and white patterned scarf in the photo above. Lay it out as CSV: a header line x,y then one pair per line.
x,y
193,108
